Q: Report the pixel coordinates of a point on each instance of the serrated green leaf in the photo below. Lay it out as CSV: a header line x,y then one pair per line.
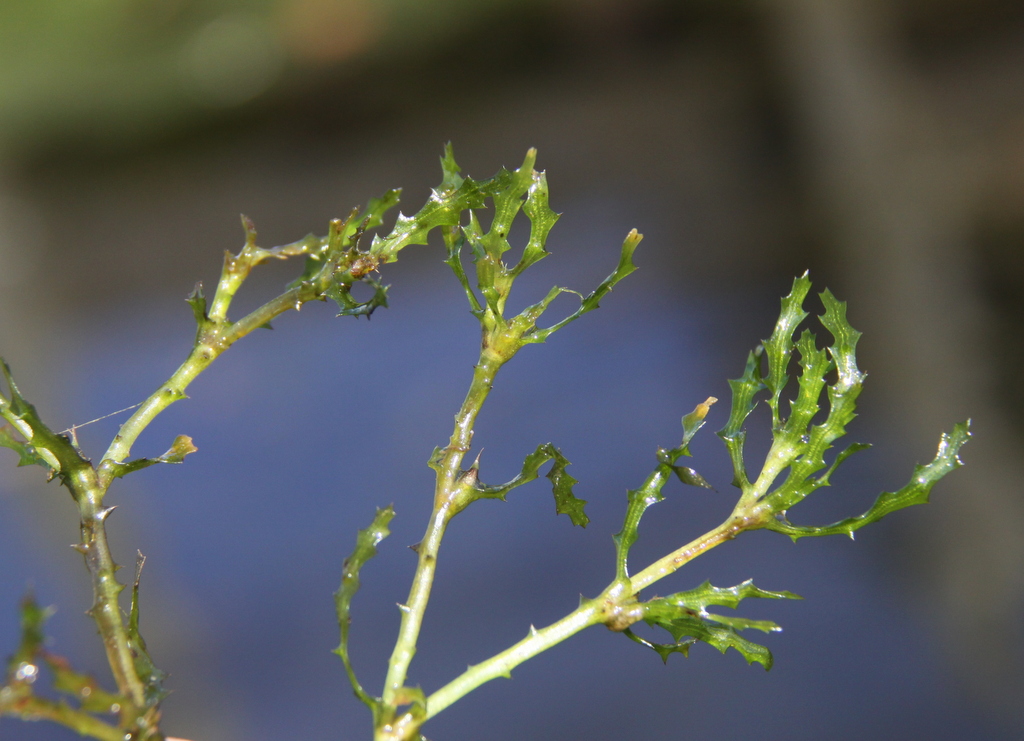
x,y
797,443
684,615
542,219
638,501
444,208
915,492
50,450
705,595
26,453
664,650
454,240
341,294
367,541
779,346
744,389
592,300
197,300
152,678
566,503
181,447
451,180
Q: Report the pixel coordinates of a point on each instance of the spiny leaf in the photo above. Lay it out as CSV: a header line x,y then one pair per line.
x,y
592,300
452,180
181,447
639,500
542,219
197,300
54,452
744,389
454,240
506,190
650,491
151,677
366,548
342,296
706,594
685,617
444,208
779,346
26,453
797,443
566,503
915,492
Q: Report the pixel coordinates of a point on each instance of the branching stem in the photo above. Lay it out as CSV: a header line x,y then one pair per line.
x,y
447,503
602,609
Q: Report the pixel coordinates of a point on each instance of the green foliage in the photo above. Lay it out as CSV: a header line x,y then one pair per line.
x,y
151,676
181,447
510,192
24,669
650,492
38,445
685,617
827,385
566,503
366,548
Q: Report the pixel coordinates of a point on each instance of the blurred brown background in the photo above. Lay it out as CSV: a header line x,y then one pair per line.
x,y
879,143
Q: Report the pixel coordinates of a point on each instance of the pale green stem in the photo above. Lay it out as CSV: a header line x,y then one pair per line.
x,y
670,563
172,390
445,507
500,665
209,346
600,610
105,609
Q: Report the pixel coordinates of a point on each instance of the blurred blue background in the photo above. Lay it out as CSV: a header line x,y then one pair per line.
x,y
879,144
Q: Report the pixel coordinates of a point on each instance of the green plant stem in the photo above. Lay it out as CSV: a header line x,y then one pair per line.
x,y
212,341
32,707
447,503
603,609
666,565
172,390
105,609
501,665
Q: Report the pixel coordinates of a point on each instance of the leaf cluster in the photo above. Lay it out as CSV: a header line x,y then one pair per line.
x,y
828,385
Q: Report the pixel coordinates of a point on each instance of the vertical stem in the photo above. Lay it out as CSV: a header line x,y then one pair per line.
x,y
448,486
105,609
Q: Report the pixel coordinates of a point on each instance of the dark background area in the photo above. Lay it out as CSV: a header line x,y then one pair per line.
x,y
878,143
